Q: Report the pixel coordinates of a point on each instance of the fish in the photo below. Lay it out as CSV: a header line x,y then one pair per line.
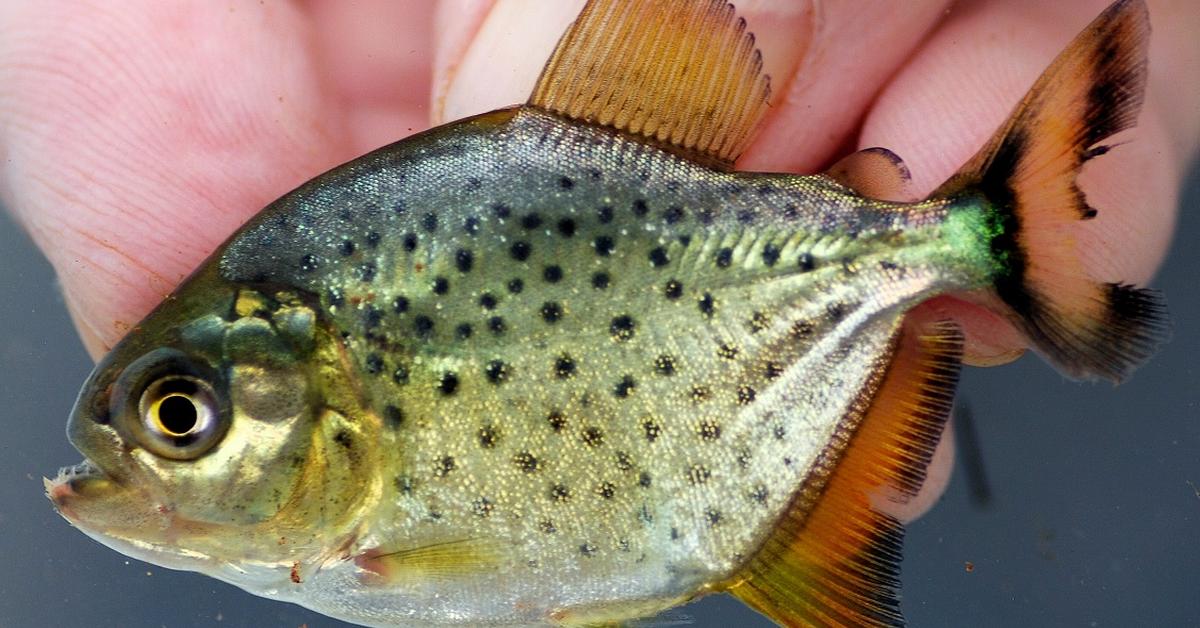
x,y
563,364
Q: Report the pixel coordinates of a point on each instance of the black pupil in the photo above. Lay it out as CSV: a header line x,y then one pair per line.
x,y
177,414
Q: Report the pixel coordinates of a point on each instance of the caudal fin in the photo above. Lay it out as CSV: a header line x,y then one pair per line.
x,y
1027,173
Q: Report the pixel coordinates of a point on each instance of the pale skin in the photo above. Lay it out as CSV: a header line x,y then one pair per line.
x,y
135,137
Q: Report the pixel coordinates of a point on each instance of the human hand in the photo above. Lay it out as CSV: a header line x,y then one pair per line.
x,y
136,140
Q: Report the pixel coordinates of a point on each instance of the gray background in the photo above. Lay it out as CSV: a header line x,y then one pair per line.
x,y
1094,520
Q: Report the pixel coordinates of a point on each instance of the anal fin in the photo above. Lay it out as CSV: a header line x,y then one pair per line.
x,y
836,562
875,173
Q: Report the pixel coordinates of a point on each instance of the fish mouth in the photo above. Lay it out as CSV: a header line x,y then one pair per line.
x,y
77,482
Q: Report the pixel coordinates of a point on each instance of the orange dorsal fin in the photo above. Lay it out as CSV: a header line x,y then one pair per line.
x,y
836,562
875,172
682,73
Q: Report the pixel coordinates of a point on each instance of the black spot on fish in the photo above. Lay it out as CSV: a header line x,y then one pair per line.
x,y
600,280
674,533
501,211
673,214
709,430
482,507
644,481
700,394
712,516
888,265
404,484
604,245
806,262
410,242
366,272
400,304
393,417
374,364
625,387
566,228
547,526
464,260
801,330
346,248
673,290
658,257
606,490
605,215
449,383
640,208
773,370
489,436
471,225
759,495
551,312
698,474
527,462
440,285
587,549
707,305
488,301
497,371
531,221
429,222
746,217
335,296
473,183
520,251
557,420
552,274
343,439
564,367
309,263
463,331
758,322
624,462
665,365
835,311
400,375
724,257
373,239
444,466
423,325
592,436
770,255
727,352
560,492
371,317
515,285
706,216
779,432
496,325
622,328
651,429
566,183
745,395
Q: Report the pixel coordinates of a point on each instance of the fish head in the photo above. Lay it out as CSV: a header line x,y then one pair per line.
x,y
221,433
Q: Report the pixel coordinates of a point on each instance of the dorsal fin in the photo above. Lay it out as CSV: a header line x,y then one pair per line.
x,y
836,562
875,172
684,73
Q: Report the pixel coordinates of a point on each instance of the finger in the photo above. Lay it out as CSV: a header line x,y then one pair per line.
x,y
137,139
826,60
967,77
376,58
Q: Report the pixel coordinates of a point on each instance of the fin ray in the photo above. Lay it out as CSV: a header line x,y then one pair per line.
x,y
681,73
833,560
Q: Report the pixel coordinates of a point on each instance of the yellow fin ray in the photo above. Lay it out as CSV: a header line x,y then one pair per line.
x,y
680,73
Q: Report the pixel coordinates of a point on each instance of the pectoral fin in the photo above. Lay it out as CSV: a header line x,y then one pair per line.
x,y
835,562
444,561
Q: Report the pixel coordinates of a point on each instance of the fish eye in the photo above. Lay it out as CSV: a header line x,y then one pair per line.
x,y
179,416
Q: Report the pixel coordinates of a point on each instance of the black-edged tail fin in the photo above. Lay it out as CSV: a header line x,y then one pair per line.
x,y
1027,172
833,558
